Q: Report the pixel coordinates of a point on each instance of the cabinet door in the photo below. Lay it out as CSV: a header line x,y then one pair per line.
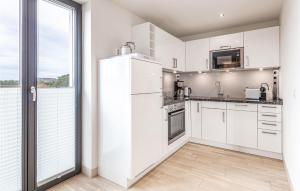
x,y
164,45
269,140
179,54
227,41
188,125
145,77
196,119
242,128
262,48
197,55
146,142
214,125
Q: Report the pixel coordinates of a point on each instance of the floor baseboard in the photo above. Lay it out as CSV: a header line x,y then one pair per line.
x,y
89,172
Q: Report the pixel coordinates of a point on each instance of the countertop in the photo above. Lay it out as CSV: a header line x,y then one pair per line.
x,y
170,101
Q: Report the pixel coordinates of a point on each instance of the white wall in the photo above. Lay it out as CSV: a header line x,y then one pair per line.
x,y
106,26
290,61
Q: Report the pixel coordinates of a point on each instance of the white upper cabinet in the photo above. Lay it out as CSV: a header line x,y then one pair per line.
x,y
197,55
262,48
227,41
157,43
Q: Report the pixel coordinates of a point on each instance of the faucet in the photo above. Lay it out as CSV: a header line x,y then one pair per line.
x,y
218,85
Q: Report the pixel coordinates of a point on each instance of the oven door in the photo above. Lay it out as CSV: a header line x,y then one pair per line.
x,y
227,59
176,124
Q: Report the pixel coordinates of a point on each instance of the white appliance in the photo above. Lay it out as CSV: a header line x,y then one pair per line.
x,y
130,105
176,121
252,93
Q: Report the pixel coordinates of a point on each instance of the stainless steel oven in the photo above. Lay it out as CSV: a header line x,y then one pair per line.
x,y
227,59
176,122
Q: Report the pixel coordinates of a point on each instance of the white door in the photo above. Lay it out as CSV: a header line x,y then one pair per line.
x,y
146,77
163,48
179,55
146,131
196,119
227,41
242,128
214,125
188,119
197,55
262,48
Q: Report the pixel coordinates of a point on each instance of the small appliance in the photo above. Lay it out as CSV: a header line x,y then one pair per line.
x,y
127,48
227,59
178,89
263,91
187,91
252,93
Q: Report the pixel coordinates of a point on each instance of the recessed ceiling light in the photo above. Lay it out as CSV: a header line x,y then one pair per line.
x,y
221,15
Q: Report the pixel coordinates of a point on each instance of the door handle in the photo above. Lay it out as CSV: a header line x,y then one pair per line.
x,y
33,92
207,67
247,61
174,62
198,107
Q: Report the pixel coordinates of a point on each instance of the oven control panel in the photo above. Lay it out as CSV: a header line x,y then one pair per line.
x,y
176,106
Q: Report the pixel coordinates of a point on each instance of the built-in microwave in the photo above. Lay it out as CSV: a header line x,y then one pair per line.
x,y
227,59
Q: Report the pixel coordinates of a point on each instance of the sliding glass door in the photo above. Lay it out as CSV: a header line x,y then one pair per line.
x,y
10,97
40,93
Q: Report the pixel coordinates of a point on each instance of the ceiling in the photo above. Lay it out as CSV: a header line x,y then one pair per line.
x,y
189,17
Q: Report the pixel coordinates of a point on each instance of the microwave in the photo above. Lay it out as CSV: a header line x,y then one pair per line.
x,y
227,59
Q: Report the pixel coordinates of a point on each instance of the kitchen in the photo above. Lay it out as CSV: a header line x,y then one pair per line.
x,y
237,107
149,95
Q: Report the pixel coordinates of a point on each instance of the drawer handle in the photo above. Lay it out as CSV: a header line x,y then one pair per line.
x,y
265,115
271,107
270,133
241,105
270,124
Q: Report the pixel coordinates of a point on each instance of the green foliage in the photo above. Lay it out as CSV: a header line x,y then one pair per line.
x,y
9,82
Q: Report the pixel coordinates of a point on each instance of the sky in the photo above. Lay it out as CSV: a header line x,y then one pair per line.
x,y
54,40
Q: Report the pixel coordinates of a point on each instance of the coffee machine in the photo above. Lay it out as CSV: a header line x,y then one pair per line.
x,y
179,89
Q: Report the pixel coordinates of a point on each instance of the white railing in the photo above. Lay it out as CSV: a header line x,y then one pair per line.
x,y
56,134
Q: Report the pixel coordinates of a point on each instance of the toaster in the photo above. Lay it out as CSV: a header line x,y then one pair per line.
x,y
252,93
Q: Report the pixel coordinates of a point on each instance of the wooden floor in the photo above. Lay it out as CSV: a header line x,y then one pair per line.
x,y
199,168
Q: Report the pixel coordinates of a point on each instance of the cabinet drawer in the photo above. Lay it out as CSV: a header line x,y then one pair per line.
x,y
269,140
274,117
268,108
214,105
242,106
269,125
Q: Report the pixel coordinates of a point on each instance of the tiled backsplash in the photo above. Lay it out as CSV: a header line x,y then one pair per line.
x,y
232,83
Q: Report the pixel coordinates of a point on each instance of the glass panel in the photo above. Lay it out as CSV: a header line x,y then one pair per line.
x,y
56,91
10,97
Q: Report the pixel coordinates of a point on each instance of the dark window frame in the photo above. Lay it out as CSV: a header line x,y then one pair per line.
x,y
29,78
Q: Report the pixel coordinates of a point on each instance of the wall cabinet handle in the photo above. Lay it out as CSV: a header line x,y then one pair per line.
x,y
174,62
223,116
207,66
223,47
270,133
198,107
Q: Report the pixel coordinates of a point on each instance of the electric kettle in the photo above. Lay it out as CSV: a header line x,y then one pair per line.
x,y
127,48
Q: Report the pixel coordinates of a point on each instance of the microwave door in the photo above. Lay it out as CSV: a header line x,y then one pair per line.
x,y
227,59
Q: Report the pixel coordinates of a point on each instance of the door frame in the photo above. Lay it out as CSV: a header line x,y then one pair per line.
x,y
29,78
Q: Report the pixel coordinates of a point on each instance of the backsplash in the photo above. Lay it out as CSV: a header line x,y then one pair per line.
x,y
233,83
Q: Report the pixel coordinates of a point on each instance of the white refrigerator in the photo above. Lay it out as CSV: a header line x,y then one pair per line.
x,y
130,117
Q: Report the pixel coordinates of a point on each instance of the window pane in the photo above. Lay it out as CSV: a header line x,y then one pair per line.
x,y
10,97
56,92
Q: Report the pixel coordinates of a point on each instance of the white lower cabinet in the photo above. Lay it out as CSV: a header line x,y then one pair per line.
x,y
269,140
214,125
242,128
196,119
188,125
